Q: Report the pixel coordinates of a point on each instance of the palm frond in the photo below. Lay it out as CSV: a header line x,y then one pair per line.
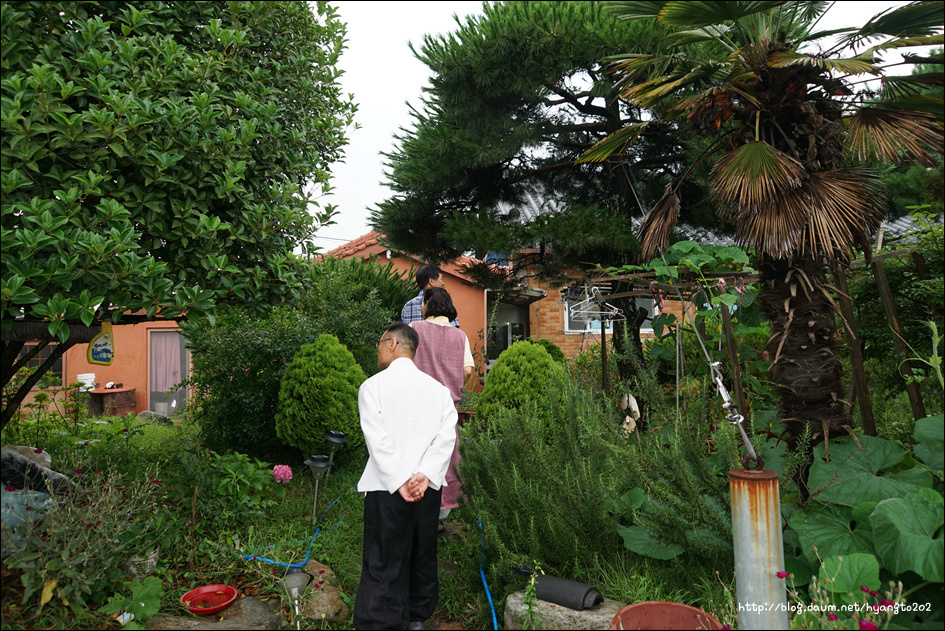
x,y
908,85
916,19
634,10
844,205
905,42
847,66
658,224
613,144
712,33
753,173
695,14
895,136
773,226
926,103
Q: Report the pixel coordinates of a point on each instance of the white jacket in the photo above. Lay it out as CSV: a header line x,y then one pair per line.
x,y
409,424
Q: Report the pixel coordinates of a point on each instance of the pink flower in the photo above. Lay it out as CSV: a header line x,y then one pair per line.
x,y
37,451
867,625
832,617
864,588
78,471
885,603
874,593
9,489
782,574
282,472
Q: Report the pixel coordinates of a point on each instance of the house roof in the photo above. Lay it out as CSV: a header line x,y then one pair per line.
x,y
357,245
375,238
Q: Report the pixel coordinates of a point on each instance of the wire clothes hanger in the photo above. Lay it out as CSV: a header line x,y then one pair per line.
x,y
595,307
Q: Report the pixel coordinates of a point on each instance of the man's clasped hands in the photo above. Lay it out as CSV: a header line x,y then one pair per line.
x,y
413,489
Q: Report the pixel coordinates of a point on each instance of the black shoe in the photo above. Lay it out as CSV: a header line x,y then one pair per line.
x,y
416,625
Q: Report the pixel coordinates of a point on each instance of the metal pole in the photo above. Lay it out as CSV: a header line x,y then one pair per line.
x,y
759,550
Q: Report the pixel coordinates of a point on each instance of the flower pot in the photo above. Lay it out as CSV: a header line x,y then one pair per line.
x,y
660,614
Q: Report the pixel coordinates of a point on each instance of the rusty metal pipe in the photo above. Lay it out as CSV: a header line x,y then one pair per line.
x,y
759,549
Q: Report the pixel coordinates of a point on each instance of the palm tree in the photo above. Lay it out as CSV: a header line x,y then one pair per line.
x,y
790,128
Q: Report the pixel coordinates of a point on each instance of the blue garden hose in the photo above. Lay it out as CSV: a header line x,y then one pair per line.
x,y
482,574
253,557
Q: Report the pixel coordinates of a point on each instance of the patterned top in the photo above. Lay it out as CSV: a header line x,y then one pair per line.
x,y
412,311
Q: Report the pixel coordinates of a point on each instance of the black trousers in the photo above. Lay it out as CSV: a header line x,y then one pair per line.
x,y
399,581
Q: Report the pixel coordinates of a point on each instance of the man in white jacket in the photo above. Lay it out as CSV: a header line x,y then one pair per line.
x,y
409,421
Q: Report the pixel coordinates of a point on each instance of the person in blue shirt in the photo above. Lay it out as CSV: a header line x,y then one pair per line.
x,y
428,276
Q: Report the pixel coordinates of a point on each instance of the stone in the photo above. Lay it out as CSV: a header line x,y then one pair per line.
x,y
250,613
43,458
321,600
20,472
555,616
154,417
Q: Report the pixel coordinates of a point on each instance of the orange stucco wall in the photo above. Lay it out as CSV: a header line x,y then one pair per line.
x,y
130,366
470,301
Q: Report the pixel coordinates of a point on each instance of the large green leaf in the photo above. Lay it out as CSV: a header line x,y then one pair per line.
x,y
853,477
642,541
828,529
907,532
849,573
930,436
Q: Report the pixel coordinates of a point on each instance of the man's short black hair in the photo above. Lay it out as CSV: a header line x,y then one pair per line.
x,y
438,303
427,273
405,335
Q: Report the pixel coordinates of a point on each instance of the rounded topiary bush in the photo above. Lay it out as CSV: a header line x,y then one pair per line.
x,y
521,374
556,353
319,392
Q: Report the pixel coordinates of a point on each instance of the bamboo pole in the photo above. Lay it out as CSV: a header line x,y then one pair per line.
x,y
902,354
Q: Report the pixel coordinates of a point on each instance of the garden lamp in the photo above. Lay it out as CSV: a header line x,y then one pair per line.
x,y
335,439
319,465
295,580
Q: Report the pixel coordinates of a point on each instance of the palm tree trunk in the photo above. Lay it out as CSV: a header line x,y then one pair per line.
x,y
806,368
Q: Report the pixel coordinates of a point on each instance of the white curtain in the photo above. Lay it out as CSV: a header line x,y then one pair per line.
x,y
165,360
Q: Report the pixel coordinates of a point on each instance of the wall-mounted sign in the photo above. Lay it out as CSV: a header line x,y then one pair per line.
x,y
102,347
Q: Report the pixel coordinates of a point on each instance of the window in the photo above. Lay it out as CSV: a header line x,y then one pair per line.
x,y
578,323
55,375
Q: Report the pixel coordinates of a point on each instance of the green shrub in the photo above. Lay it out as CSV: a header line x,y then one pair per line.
x,y
392,288
556,353
83,539
520,375
355,300
230,489
319,392
237,365
543,495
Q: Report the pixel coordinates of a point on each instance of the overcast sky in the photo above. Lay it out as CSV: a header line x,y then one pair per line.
x,y
384,76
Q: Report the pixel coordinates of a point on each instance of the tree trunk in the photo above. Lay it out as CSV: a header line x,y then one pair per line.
x,y
13,341
806,369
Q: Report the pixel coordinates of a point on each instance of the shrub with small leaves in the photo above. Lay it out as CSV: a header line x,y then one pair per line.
x,y
237,364
553,349
319,392
520,375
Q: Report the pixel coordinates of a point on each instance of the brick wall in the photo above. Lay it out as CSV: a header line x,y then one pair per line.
x,y
547,320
